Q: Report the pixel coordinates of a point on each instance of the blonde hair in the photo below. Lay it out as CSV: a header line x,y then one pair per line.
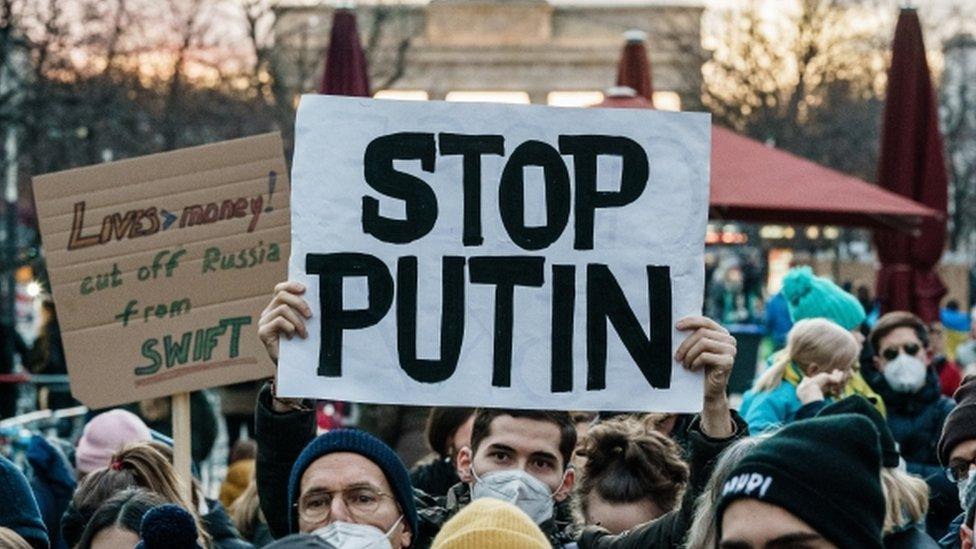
x,y
12,540
906,497
701,533
811,342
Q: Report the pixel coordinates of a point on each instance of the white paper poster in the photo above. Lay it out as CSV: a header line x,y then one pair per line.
x,y
496,255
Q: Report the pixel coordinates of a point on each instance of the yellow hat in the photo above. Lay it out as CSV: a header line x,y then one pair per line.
x,y
490,524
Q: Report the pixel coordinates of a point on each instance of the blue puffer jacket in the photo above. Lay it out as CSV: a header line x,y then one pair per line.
x,y
765,409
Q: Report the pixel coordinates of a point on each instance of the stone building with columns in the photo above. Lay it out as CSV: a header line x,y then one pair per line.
x,y
560,52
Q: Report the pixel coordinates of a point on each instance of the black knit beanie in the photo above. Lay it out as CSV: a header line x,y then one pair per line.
x,y
826,471
856,404
960,425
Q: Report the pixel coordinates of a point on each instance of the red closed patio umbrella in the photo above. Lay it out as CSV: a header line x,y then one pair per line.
x,y
346,72
634,68
912,164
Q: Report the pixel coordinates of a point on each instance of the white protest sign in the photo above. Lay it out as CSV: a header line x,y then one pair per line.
x,y
496,255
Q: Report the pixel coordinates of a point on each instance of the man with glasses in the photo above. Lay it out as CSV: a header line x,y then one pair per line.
x,y
957,451
348,487
916,407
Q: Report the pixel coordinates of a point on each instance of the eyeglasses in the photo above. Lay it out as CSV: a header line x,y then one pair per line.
x,y
960,470
891,353
361,501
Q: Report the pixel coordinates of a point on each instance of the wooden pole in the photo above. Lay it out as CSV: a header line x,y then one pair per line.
x,y
181,443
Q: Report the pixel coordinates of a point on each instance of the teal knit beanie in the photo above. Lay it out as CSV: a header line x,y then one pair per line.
x,y
810,296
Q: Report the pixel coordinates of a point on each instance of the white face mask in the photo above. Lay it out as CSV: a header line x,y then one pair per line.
x,y
967,491
905,374
348,535
517,487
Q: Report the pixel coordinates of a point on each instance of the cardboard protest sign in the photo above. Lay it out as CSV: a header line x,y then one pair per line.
x,y
496,255
161,265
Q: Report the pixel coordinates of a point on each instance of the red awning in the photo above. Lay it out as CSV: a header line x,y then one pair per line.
x,y
754,182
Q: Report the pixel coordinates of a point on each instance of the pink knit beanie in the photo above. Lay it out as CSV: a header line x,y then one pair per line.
x,y
104,435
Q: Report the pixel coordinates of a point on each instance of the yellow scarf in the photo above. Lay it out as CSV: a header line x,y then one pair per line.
x,y
855,386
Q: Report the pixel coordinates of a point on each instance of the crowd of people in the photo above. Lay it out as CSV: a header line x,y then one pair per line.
x,y
848,438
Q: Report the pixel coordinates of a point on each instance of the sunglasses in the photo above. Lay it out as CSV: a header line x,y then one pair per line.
x,y
891,353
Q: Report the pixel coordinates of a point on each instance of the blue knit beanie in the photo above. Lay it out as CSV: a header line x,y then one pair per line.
x,y
19,511
810,296
366,445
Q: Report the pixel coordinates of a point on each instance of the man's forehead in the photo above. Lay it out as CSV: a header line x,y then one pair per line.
x,y
340,470
524,434
965,450
902,334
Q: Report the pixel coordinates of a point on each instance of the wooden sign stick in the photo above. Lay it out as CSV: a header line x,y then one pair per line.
x,y
181,443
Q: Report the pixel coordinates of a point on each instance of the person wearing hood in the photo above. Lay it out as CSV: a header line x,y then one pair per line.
x,y
53,484
19,511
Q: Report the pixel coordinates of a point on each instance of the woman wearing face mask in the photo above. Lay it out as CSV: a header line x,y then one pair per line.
x,y
819,358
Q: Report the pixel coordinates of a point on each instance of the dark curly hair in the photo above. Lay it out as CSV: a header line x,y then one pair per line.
x,y
626,462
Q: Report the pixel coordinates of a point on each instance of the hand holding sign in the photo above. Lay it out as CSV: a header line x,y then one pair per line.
x,y
286,315
710,348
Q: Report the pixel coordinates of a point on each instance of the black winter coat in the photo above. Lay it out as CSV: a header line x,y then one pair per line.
x,y
280,438
916,421
434,477
222,529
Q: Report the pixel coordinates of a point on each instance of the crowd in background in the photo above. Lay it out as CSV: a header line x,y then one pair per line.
x,y
858,431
